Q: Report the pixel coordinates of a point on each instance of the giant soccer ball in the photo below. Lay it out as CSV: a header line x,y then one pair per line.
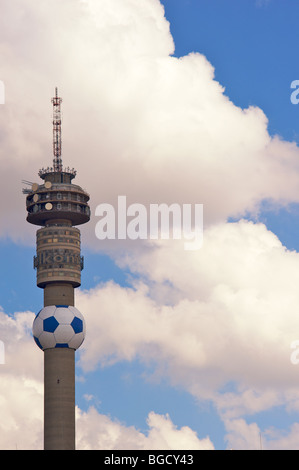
x,y
59,326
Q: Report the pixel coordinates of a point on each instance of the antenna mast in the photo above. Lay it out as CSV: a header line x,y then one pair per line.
x,y
57,161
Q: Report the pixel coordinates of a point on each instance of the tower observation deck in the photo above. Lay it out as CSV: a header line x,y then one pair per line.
x,y
57,206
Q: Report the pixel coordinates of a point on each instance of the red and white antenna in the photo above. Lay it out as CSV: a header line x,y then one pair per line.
x,y
57,161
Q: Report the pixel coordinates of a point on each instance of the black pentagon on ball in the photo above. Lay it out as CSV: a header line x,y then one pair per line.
x,y
50,324
77,325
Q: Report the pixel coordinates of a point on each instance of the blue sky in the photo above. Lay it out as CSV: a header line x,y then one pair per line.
x,y
252,47
180,348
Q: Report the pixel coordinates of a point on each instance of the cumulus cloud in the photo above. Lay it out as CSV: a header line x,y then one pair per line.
x,y
249,436
219,322
228,315
137,120
21,389
21,386
96,431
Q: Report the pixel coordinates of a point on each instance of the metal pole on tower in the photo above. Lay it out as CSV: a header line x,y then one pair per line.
x,y
57,161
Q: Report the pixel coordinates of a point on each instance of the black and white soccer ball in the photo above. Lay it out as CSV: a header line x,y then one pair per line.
x,y
59,326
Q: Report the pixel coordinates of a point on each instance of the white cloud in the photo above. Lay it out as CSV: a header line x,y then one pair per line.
x,y
137,121
225,336
21,405
231,319
249,436
243,436
98,432
21,386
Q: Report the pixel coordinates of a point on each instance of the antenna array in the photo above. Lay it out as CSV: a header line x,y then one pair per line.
x,y
57,161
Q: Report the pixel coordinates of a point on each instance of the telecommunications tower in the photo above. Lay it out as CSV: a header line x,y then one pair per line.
x,y
57,206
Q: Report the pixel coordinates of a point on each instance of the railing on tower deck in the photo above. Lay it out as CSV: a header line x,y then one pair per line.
x,y
45,171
